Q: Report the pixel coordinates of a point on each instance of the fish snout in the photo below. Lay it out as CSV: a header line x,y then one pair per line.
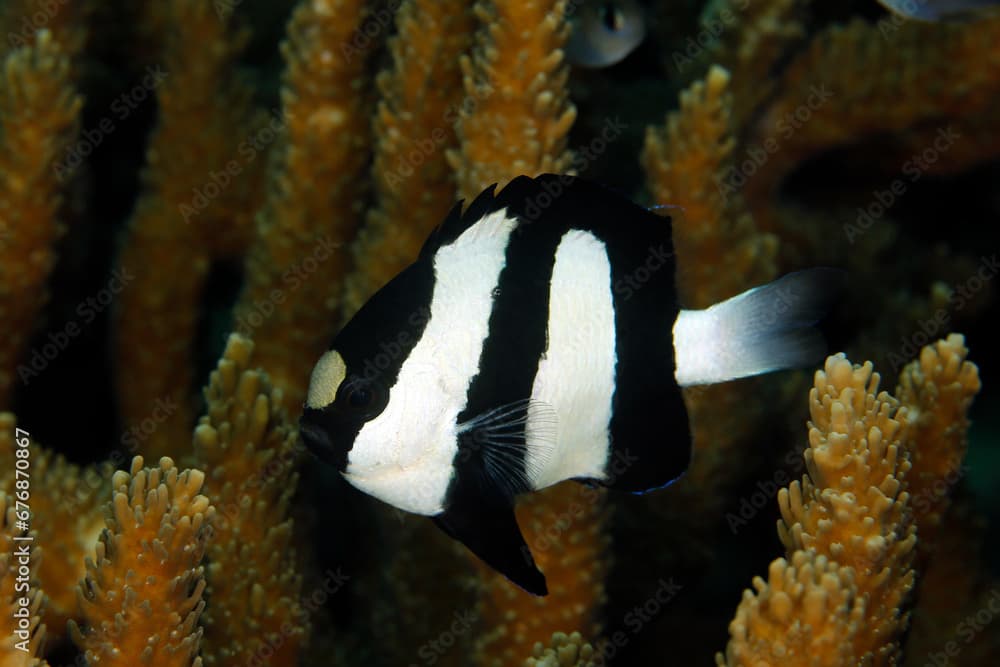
x,y
316,437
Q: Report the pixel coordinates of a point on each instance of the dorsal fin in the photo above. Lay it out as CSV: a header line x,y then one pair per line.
x,y
458,221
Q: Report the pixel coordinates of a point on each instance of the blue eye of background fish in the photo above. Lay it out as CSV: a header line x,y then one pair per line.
x,y
603,33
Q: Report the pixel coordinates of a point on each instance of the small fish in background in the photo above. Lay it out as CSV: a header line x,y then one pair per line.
x,y
538,338
937,10
603,33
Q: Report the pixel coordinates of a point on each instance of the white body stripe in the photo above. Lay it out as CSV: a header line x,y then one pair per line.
x,y
433,383
576,375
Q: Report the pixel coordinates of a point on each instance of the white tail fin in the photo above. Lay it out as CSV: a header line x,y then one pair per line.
x,y
764,329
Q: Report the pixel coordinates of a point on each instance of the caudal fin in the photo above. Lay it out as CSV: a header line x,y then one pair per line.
x,y
764,329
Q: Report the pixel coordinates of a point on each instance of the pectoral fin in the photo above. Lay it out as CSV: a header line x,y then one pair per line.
x,y
492,534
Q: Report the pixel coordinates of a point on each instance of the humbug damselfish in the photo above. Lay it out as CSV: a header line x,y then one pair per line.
x,y
537,338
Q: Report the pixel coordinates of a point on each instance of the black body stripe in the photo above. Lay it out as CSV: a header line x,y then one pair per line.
x,y
650,434
515,342
374,345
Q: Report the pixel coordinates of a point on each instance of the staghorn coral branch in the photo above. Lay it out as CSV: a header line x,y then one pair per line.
x,y
801,615
686,162
563,651
937,390
517,114
39,117
840,597
253,582
414,125
142,595
68,501
21,630
199,195
295,266
853,506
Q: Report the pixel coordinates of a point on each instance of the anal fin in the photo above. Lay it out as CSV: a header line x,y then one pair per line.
x,y
492,533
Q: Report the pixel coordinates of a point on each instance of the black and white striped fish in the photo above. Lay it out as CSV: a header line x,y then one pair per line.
x,y
538,338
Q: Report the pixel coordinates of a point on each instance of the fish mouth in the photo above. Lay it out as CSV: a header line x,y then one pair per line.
x,y
318,442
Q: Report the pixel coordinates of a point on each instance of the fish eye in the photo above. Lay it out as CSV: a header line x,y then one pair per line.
x,y
360,397
611,16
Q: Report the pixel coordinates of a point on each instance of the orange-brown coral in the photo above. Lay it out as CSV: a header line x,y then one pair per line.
x,y
563,651
852,506
20,596
937,390
246,444
849,534
198,200
291,295
142,595
69,500
802,615
414,125
517,114
39,115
